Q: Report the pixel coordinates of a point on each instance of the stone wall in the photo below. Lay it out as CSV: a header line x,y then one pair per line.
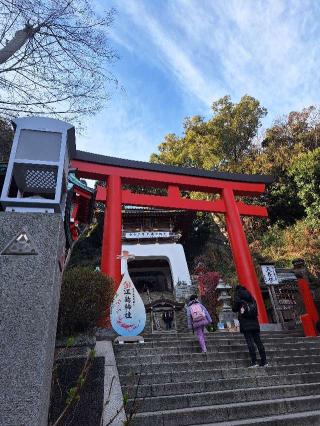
x,y
29,302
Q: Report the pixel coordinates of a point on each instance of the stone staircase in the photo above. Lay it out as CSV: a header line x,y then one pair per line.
x,y
170,382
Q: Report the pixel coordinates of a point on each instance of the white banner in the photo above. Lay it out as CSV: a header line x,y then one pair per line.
x,y
269,274
147,234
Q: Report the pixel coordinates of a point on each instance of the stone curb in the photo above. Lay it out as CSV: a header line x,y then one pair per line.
x,y
111,380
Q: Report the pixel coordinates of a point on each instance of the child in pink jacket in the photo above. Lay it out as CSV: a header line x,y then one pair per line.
x,y
198,317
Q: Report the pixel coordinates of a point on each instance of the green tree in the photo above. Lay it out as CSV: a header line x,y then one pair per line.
x,y
196,148
290,137
236,126
305,172
291,153
222,142
297,128
284,206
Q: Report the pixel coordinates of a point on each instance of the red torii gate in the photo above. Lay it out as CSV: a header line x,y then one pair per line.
x,y
118,172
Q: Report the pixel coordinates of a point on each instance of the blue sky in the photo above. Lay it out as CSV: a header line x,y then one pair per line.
x,y
178,56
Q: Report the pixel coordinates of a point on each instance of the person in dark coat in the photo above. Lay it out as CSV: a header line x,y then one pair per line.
x,y
249,325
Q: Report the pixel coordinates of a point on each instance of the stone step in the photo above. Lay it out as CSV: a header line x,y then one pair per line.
x,y
169,382
247,394
227,412
193,345
297,332
311,418
218,334
158,377
192,365
126,359
195,348
219,342
189,387
173,336
233,344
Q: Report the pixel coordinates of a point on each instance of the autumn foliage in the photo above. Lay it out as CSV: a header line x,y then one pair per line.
x,y
207,283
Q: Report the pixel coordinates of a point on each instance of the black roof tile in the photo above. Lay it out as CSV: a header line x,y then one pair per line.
x,y
154,167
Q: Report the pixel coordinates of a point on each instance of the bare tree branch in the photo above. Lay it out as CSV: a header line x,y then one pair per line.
x,y
53,55
16,43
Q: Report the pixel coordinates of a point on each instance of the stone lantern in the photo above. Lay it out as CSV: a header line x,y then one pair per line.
x,y
36,177
226,315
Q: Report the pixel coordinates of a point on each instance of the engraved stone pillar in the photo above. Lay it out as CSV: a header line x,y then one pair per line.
x,y
31,259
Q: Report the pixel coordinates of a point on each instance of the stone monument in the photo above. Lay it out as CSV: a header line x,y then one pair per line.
x,y
32,247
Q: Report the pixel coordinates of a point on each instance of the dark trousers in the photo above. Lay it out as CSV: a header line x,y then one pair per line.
x,y
252,339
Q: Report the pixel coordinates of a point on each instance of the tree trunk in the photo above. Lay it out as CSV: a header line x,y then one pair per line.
x,y
15,44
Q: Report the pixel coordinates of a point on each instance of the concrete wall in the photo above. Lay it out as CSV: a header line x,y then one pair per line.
x,y
173,253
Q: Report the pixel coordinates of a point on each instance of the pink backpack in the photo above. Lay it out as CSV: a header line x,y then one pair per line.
x,y
197,313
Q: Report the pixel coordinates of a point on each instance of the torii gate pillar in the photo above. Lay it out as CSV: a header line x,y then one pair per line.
x,y
241,254
111,242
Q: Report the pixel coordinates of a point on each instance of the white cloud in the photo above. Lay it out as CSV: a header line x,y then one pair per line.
x,y
119,131
268,49
265,48
165,49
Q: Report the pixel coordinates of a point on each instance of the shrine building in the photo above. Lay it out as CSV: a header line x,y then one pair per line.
x,y
152,237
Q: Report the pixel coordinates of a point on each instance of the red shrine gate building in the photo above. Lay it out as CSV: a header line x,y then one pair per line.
x,y
224,189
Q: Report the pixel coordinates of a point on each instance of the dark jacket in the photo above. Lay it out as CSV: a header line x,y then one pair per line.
x,y
241,297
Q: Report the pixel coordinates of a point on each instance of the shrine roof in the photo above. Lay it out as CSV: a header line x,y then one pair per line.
x,y
73,180
163,168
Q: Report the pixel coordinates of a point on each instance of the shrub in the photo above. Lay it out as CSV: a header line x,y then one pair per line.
x,y
85,294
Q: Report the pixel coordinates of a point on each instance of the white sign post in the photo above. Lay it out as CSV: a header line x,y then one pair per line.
x,y
271,279
269,274
128,314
